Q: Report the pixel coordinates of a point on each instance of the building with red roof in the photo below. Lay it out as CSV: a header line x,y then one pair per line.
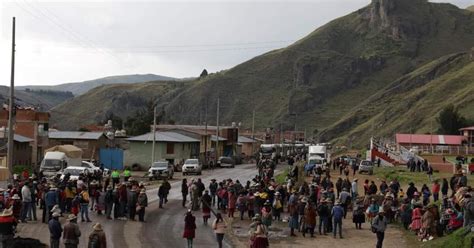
x,y
431,143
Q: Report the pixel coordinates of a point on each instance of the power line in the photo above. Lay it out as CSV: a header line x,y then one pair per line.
x,y
209,45
197,50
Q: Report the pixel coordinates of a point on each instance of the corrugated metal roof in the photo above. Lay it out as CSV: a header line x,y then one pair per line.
x,y
21,139
429,139
75,135
164,137
213,138
243,139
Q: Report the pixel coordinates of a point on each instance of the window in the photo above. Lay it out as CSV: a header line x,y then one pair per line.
x,y
169,148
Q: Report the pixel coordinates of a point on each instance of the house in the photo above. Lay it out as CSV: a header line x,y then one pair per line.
x,y
468,132
21,149
172,146
445,144
89,142
228,138
32,124
249,146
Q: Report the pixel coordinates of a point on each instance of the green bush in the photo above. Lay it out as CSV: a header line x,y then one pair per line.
x,y
18,169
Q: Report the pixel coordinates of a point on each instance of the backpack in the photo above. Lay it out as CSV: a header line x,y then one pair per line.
x,y
94,241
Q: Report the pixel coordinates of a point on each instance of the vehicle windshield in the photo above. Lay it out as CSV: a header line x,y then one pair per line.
x,y
193,161
315,161
367,163
52,163
73,172
266,149
160,165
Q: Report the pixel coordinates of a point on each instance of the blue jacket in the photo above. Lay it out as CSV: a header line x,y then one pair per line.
x,y
51,198
337,212
55,229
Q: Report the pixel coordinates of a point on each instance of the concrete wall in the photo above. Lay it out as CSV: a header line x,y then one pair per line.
x,y
140,153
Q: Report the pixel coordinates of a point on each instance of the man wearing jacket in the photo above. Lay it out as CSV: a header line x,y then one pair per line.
x,y
55,230
379,224
337,215
71,232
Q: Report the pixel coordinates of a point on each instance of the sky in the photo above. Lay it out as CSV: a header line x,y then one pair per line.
x,y
71,41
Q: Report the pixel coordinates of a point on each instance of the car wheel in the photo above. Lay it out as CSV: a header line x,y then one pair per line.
x,y
371,173
199,173
151,179
184,173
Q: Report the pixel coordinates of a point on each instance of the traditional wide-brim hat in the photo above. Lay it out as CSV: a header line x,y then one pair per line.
x,y
7,212
16,197
72,217
97,227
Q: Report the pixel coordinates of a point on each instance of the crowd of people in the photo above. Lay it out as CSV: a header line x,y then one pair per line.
x,y
321,205
72,198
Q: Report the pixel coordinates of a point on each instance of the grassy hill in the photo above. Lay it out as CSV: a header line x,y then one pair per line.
x,y
120,99
321,82
80,88
411,103
43,100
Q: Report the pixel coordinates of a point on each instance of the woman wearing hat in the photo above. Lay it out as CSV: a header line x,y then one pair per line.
x,y
416,218
277,206
71,232
259,237
294,217
267,213
189,228
16,203
97,238
358,215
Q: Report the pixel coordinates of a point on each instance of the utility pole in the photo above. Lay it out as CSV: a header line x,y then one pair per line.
x,y
217,130
205,136
11,108
154,136
253,130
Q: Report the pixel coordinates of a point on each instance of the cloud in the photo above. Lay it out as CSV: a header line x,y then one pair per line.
x,y
66,41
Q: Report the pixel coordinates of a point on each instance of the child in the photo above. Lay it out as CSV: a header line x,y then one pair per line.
x,y
401,194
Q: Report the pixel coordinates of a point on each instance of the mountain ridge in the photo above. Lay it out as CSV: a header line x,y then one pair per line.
x,y
326,76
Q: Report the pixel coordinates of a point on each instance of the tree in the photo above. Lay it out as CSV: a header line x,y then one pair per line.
x,y
450,120
141,121
203,73
117,122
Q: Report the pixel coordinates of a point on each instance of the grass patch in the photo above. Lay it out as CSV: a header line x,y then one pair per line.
x,y
459,239
280,178
404,176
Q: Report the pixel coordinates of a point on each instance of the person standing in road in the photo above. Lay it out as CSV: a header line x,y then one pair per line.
x,y
55,230
213,190
126,174
345,199
97,237
167,187
161,195
337,215
184,191
142,204
354,189
26,198
379,224
189,228
8,225
206,206
132,203
219,227
109,202
115,177
84,200
51,199
71,232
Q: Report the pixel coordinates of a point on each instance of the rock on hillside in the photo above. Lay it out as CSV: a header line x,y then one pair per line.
x,y
322,77
322,80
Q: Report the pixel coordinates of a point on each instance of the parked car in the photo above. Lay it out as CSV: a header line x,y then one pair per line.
x,y
161,169
226,162
91,167
74,172
366,166
192,166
